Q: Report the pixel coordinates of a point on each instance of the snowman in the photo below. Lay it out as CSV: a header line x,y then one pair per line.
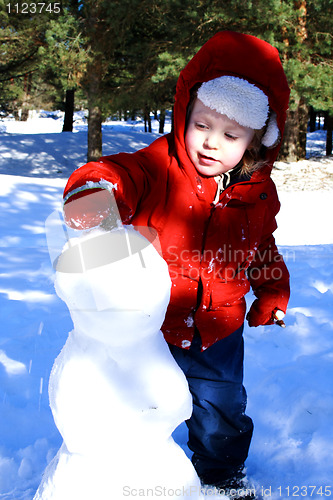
x,y
115,391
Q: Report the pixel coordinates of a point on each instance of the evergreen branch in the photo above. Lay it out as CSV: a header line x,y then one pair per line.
x,y
7,79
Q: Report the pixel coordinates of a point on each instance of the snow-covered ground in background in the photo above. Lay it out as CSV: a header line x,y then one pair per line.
x,y
288,372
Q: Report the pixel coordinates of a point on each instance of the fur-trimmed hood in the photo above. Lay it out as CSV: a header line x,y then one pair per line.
x,y
239,55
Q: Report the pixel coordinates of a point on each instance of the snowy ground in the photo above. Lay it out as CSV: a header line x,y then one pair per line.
x,y
288,372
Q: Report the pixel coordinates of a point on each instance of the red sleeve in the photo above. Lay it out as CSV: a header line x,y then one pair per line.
x,y
120,173
268,275
269,279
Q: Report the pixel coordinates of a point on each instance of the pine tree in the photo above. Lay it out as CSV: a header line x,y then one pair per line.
x,y
21,41
106,26
156,47
319,79
65,58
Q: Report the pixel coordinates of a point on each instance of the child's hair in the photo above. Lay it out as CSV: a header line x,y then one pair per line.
x,y
254,156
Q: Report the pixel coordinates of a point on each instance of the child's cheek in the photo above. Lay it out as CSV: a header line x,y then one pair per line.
x,y
190,143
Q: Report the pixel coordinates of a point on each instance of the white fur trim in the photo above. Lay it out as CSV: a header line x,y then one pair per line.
x,y
236,98
102,184
272,134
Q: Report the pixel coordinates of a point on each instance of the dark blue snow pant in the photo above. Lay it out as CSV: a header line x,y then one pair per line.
x,y
219,431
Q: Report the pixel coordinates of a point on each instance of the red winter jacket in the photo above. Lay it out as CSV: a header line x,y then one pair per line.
x,y
214,252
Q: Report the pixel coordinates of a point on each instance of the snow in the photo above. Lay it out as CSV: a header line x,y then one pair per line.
x,y
288,372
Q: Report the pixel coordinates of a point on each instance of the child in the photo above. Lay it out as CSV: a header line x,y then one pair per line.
x,y
206,189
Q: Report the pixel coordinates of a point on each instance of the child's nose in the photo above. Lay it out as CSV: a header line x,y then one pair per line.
x,y
212,141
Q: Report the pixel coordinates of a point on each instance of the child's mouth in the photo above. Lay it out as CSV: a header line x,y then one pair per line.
x,y
206,160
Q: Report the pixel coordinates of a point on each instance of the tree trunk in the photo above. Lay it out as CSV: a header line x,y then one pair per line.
x,y
294,140
25,102
24,114
147,119
162,121
329,128
94,118
312,119
303,118
69,111
301,28
94,133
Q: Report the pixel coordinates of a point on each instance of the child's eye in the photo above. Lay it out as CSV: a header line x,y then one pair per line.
x,y
230,136
201,126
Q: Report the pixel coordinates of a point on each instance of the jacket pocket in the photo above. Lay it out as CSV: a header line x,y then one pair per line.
x,y
226,293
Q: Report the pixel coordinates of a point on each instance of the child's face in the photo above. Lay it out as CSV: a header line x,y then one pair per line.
x,y
214,143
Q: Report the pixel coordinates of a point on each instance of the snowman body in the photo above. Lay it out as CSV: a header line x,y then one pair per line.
x,y
116,392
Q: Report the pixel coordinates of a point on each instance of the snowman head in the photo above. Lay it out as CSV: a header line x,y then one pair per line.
x,y
116,296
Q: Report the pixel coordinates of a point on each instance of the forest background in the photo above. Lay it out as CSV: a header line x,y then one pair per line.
x,y
123,57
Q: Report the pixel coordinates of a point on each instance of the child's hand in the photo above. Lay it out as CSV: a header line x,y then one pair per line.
x,y
278,316
88,209
257,316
